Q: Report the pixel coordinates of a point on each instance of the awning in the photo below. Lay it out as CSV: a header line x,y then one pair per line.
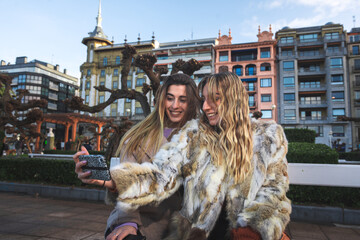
x,y
249,79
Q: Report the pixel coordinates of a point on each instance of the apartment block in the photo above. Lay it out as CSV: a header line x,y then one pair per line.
x,y
254,63
353,39
313,83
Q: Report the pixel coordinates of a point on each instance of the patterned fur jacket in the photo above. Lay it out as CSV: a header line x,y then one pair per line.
x,y
259,202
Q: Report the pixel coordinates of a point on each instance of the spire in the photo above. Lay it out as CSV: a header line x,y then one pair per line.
x,y
98,32
270,28
259,29
99,18
229,32
219,33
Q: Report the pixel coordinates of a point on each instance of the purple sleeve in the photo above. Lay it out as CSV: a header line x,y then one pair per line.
x,y
128,224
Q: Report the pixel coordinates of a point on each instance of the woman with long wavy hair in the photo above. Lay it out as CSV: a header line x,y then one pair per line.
x,y
177,102
223,159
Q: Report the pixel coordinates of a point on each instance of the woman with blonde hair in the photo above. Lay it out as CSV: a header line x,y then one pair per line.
x,y
222,159
177,102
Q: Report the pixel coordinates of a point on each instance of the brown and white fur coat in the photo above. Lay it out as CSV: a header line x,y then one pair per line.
x,y
259,202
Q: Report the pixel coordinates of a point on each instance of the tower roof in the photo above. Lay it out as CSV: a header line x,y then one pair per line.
x,y
98,31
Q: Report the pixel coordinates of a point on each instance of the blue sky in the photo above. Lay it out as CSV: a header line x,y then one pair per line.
x,y
52,30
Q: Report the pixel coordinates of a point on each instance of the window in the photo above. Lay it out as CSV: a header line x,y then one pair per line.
x,y
338,131
357,80
127,100
357,64
310,84
138,110
265,82
88,73
224,56
116,72
334,35
251,101
287,52
87,99
102,73
265,97
113,112
115,85
337,79
129,83
338,112
308,37
289,82
318,129
337,96
355,50
140,82
117,60
45,92
289,114
237,70
45,81
355,38
333,49
311,115
264,52
310,100
336,63
265,67
102,83
101,99
288,66
251,86
357,95
289,97
250,70
105,61
287,40
266,114
87,85
139,70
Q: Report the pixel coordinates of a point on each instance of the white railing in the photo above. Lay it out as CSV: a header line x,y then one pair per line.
x,y
336,175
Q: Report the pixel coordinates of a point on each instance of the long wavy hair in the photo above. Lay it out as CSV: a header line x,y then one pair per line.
x,y
231,139
148,134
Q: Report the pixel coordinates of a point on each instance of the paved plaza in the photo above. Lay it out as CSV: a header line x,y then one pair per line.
x,y
24,216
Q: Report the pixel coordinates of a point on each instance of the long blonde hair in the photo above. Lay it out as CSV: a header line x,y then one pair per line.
x,y
231,139
148,134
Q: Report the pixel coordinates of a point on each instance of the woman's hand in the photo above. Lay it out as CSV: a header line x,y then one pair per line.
x,y
84,176
121,232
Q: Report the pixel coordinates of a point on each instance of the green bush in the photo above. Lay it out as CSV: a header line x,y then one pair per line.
x,y
329,196
311,153
350,156
71,152
300,135
41,171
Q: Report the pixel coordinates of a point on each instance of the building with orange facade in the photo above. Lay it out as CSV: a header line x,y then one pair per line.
x,y
254,63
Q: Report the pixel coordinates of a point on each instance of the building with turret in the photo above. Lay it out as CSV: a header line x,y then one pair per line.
x,y
103,68
254,63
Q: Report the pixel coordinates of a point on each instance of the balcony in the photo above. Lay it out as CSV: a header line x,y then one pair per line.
x,y
311,86
310,42
251,88
250,72
109,64
305,55
252,104
354,53
311,71
334,52
286,43
286,55
313,104
312,120
339,38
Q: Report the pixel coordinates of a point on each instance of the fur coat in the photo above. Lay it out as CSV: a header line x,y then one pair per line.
x,y
259,201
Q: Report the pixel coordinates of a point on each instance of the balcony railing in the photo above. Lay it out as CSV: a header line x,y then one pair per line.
x,y
313,102
108,64
354,53
311,54
251,88
252,104
311,85
316,70
309,42
250,73
356,69
310,118
334,39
